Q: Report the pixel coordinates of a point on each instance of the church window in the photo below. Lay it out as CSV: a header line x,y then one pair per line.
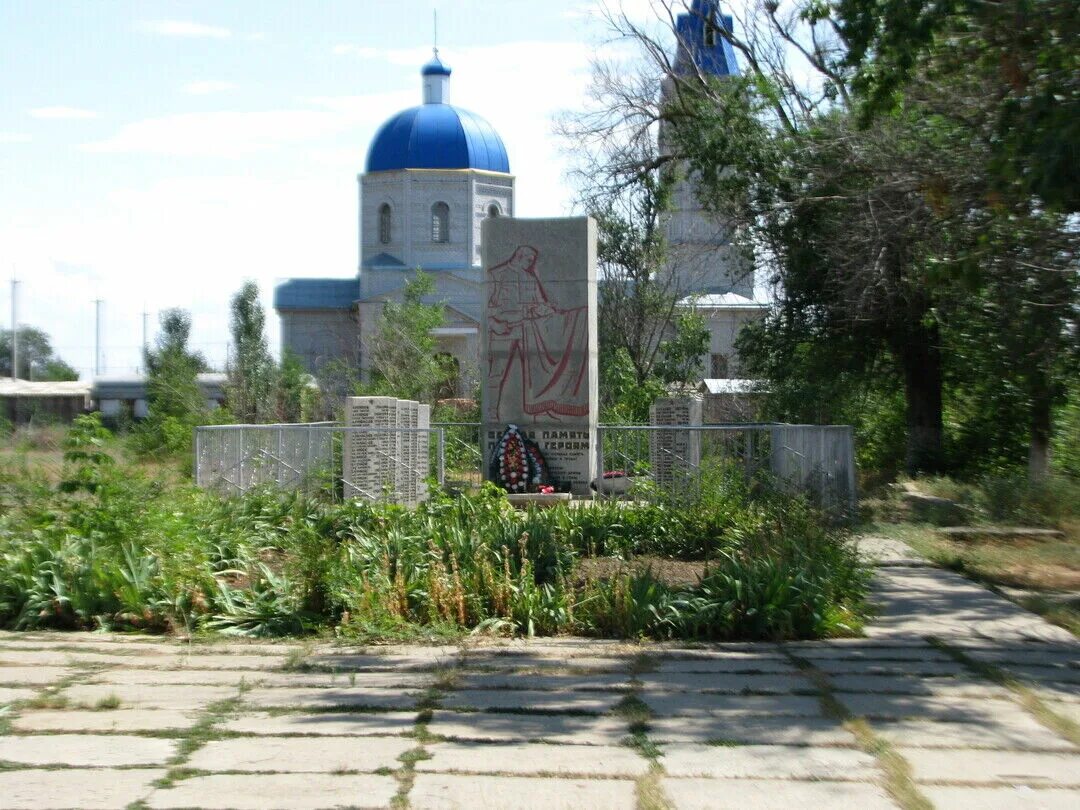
x,y
440,222
718,367
385,223
493,211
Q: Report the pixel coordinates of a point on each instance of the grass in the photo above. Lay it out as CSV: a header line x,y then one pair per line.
x,y
1024,695
107,546
898,779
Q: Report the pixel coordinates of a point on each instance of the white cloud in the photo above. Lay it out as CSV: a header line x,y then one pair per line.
x,y
236,134
182,28
14,137
205,88
362,51
63,113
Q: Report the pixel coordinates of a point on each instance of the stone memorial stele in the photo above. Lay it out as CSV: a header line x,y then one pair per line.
x,y
539,341
675,455
389,462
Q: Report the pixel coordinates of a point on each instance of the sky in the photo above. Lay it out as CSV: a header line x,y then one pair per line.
x,y
156,154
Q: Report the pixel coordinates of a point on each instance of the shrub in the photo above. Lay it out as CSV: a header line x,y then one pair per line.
x,y
110,548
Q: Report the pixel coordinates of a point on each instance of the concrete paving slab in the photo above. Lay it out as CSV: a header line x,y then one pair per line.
x,y
525,700
447,792
1018,734
734,663
912,653
1038,675
114,720
346,662
344,696
345,724
262,663
85,750
956,709
598,682
65,658
279,791
512,727
724,682
750,730
1006,767
363,679
1067,709
773,794
1003,798
533,758
10,694
146,696
943,687
767,762
124,677
691,704
1057,691
301,754
87,789
1040,655
867,666
541,663
32,676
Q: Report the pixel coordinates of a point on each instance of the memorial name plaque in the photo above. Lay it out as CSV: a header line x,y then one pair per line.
x,y
539,341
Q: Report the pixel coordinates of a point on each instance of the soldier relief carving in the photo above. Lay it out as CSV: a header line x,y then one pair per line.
x,y
537,347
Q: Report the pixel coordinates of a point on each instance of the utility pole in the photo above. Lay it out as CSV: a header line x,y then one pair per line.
x,y
145,344
14,329
97,336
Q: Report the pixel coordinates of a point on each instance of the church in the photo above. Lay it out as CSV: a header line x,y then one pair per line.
x,y
434,172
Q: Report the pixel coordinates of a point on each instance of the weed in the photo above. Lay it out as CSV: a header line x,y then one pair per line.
x,y
108,703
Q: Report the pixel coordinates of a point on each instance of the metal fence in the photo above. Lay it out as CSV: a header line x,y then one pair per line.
x,y
314,458
673,460
676,460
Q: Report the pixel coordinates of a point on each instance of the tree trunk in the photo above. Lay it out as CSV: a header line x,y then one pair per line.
x,y
920,357
1041,425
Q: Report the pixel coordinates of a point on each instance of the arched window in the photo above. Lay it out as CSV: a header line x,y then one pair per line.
x,y
385,223
440,222
493,211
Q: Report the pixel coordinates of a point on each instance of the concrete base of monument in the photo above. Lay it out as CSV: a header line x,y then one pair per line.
x,y
523,500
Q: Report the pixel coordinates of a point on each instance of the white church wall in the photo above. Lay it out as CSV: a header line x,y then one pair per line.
x,y
317,336
375,190
724,327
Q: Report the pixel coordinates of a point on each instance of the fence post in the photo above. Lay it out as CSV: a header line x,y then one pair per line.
x,y
440,457
198,455
599,461
240,461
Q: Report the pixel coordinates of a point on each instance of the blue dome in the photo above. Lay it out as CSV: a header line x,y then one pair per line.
x,y
435,68
437,136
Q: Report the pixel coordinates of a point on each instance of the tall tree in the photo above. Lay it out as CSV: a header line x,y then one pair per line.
x,y
174,399
251,369
37,361
402,353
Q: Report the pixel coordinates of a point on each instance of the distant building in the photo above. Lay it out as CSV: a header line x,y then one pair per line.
x,y
434,172
125,396
713,274
22,401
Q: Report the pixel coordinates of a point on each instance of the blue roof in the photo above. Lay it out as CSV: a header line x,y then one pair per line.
x,y
316,293
435,68
437,136
718,59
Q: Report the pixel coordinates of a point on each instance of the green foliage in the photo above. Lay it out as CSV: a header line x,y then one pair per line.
x,y
403,358
251,369
36,359
174,399
112,549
